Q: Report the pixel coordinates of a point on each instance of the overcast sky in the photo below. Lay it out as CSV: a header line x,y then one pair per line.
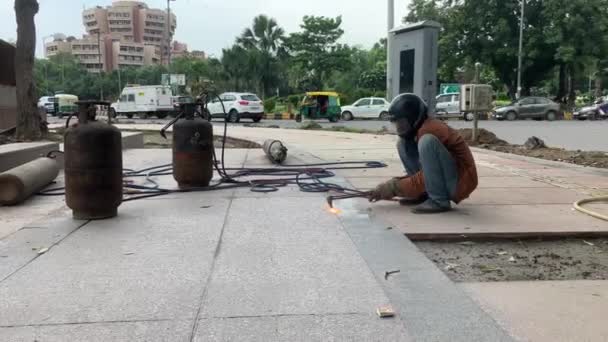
x,y
211,25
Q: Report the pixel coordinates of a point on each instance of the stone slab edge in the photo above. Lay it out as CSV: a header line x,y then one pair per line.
x,y
13,158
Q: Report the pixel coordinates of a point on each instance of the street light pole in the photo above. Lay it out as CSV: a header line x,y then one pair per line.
x,y
169,32
475,112
169,42
391,25
46,64
521,41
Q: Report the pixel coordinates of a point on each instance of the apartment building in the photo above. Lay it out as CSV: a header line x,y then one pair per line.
x,y
133,21
125,34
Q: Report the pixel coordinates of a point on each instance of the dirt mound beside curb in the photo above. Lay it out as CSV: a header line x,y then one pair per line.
x,y
490,141
485,137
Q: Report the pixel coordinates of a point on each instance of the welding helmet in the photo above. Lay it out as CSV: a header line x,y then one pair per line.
x,y
412,108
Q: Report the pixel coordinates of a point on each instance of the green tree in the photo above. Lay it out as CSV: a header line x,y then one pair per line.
x,y
316,53
263,42
579,30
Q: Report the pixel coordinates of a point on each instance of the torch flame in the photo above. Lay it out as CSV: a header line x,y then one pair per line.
x,y
334,211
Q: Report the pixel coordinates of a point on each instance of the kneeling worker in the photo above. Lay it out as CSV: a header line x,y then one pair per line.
x,y
439,164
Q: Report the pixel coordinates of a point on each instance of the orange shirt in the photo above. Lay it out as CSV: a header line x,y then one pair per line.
x,y
467,171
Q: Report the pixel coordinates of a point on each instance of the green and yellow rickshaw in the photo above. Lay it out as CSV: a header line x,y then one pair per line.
x,y
320,105
65,104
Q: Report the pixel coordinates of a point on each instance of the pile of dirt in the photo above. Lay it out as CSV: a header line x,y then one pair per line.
x,y
536,148
485,137
594,159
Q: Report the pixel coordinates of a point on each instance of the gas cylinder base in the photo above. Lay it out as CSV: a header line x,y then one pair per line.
x,y
94,214
187,186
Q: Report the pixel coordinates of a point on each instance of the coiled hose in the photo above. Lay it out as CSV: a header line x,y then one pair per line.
x,y
579,206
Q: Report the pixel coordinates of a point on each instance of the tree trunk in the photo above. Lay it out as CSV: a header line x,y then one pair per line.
x,y
561,92
571,92
598,86
28,118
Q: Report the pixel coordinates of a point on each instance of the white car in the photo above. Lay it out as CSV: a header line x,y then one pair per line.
x,y
47,103
448,106
237,106
368,108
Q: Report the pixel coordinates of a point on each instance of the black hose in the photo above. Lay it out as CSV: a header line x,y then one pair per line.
x,y
308,177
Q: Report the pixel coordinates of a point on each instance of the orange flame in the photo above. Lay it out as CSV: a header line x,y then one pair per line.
x,y
334,211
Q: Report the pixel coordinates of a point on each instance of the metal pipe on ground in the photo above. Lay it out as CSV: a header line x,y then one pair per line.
x,y
18,184
275,151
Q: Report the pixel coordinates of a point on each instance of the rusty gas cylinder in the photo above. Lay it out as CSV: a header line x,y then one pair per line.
x,y
192,149
93,165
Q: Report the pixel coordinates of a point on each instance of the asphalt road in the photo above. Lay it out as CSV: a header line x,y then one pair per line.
x,y
572,135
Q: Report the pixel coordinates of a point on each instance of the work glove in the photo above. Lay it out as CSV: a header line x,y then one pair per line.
x,y
384,191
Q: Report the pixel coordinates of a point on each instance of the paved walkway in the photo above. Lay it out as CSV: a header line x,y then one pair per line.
x,y
237,265
226,266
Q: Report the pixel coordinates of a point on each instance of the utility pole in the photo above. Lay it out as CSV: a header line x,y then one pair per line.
x,y
389,59
475,134
119,80
521,45
169,42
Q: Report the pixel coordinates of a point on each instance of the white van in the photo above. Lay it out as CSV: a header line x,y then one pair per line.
x,y
144,101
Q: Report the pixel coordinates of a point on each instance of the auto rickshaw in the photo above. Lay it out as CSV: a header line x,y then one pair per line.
x,y
65,104
320,105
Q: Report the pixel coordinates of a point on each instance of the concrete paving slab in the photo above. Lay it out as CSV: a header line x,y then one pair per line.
x,y
340,327
484,171
511,182
523,196
431,306
132,140
547,310
588,181
20,248
151,262
291,259
290,191
33,211
144,158
471,220
143,331
380,173
493,182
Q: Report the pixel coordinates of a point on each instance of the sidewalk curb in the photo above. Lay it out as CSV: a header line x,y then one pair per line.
x,y
280,116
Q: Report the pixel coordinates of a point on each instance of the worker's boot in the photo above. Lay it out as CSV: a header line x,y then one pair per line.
x,y
432,207
408,201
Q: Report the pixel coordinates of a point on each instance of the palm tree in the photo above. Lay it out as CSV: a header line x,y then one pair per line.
x,y
265,35
264,40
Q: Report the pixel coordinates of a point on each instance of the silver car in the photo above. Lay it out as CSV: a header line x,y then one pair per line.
x,y
529,108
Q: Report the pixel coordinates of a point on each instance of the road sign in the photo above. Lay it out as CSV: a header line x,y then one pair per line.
x,y
175,79
446,88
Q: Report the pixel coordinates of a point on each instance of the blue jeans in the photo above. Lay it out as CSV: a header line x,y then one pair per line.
x,y
431,157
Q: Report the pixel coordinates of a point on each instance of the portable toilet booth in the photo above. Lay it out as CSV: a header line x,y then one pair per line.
x,y
412,61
